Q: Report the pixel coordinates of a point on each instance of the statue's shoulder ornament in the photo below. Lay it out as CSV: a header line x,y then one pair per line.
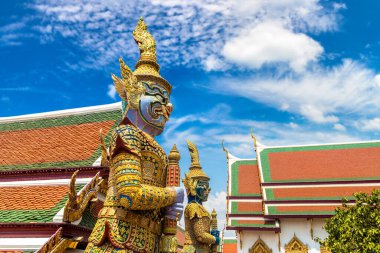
x,y
127,137
195,210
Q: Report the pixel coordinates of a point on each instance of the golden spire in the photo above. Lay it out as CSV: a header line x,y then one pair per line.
x,y
130,87
195,167
254,139
174,155
214,221
147,68
145,41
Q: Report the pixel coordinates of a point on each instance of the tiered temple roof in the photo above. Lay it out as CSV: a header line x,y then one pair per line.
x,y
298,182
39,154
61,139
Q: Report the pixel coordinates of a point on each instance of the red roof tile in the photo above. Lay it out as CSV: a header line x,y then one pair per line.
x,y
32,197
61,141
321,163
39,203
244,178
229,246
55,144
302,181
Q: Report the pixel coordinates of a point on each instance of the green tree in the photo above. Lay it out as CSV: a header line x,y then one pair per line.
x,y
355,228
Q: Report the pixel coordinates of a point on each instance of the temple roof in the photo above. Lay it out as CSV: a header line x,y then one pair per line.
x,y
298,181
331,162
67,138
39,154
229,245
32,203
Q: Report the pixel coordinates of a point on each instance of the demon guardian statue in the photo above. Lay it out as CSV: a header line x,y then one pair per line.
x,y
138,198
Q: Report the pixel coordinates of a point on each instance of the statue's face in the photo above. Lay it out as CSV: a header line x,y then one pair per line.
x,y
203,189
155,107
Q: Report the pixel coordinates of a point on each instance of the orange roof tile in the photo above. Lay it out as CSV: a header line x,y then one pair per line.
x,y
54,144
32,197
244,177
230,246
321,163
302,180
61,141
38,203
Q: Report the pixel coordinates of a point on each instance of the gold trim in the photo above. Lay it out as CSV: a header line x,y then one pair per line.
x,y
76,204
296,246
254,140
57,244
260,247
311,229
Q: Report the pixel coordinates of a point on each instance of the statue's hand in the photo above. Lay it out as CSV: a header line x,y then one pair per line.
x,y
175,210
216,234
180,194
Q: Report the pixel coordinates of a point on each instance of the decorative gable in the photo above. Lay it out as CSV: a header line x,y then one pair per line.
x,y
260,247
295,246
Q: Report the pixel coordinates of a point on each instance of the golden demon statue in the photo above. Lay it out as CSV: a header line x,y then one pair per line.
x,y
138,198
201,236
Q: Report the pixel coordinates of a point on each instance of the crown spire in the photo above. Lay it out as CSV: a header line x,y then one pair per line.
x,y
147,68
195,166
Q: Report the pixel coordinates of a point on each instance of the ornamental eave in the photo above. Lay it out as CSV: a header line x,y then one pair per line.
x,y
30,230
51,173
62,113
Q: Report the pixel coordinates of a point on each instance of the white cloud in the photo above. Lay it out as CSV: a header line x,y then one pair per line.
x,y
190,33
12,34
322,95
217,201
377,80
112,91
208,129
339,127
369,124
212,63
12,27
316,115
270,42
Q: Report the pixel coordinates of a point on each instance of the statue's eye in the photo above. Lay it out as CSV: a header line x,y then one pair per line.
x,y
160,98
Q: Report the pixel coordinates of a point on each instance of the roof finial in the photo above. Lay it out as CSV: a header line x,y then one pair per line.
x,y
225,150
254,139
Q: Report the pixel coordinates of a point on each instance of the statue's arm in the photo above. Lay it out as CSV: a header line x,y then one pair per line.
x,y
131,191
199,229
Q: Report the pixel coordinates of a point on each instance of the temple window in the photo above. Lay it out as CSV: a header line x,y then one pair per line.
x,y
295,246
260,247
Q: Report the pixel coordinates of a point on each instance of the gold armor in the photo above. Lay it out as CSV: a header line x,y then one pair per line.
x,y
197,218
133,222
197,229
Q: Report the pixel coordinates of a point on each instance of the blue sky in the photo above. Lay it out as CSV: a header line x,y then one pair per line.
x,y
294,71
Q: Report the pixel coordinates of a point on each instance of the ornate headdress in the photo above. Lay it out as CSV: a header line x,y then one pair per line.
x,y
129,86
195,171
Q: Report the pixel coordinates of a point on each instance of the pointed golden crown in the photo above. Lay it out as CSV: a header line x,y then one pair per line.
x,y
147,68
195,170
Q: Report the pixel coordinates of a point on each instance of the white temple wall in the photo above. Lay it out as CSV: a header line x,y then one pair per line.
x,y
300,227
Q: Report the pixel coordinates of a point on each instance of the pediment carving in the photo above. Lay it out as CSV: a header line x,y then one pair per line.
x,y
260,247
295,246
